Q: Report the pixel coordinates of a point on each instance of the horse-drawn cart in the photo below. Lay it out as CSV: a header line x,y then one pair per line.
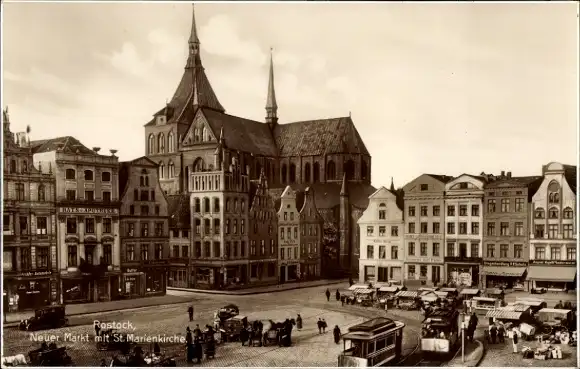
x,y
52,356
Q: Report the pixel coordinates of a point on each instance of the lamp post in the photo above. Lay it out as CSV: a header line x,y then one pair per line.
x,y
463,337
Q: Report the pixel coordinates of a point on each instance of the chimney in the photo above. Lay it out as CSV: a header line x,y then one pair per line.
x,y
509,174
503,173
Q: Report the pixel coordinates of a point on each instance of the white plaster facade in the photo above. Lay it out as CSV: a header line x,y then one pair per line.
x,y
288,237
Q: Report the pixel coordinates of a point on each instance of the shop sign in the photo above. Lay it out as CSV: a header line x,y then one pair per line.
x,y
155,262
505,263
130,279
424,260
131,270
35,274
553,262
79,210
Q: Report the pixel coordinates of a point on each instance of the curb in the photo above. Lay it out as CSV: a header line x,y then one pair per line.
x,y
15,324
483,351
242,293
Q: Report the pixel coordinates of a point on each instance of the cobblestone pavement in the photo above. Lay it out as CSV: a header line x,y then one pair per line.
x,y
309,348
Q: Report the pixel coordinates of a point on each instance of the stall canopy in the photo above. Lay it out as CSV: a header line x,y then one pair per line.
x,y
504,271
552,274
517,307
504,314
363,291
358,286
469,291
389,289
409,294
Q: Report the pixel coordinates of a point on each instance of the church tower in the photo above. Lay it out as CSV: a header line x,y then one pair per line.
x,y
344,227
271,105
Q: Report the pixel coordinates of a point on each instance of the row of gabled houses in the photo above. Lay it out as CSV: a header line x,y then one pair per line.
x,y
474,230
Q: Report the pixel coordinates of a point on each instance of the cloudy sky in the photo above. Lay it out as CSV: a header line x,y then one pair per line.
x,y
432,88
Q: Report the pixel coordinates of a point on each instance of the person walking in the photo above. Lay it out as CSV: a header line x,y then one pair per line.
x,y
336,333
337,295
350,282
319,325
97,329
189,345
327,294
299,322
324,326
190,313
515,340
493,333
559,305
501,333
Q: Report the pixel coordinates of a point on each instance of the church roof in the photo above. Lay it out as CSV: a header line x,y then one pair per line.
x,y
570,174
319,137
327,195
70,145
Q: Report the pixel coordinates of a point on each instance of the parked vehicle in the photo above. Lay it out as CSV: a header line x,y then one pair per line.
x,y
440,333
553,320
52,356
233,327
49,317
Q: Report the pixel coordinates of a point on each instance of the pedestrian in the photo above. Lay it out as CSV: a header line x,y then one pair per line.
x,y
156,348
327,294
493,333
244,336
324,325
336,333
299,322
337,295
97,329
319,324
559,305
515,340
190,312
343,299
501,333
189,345
350,282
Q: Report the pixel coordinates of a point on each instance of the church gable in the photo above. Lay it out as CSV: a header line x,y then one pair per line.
x,y
199,131
143,162
381,194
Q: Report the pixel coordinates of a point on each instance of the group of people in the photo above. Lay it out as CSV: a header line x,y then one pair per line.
x,y
194,343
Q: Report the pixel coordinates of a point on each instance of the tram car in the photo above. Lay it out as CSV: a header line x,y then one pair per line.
x,y
376,342
440,333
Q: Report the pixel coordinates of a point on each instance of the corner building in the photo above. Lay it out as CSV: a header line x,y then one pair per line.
x,y
463,236
183,135
506,230
382,255
144,230
424,234
87,201
553,242
29,258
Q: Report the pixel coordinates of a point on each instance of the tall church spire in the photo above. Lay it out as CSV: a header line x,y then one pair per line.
x,y
193,39
271,105
392,185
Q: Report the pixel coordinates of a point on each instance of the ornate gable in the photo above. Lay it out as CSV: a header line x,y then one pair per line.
x,y
144,162
199,131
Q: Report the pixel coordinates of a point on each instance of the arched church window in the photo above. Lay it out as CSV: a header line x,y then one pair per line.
x,y
349,169
198,165
203,134
41,193
151,145
284,173
13,166
170,142
330,170
292,173
307,173
316,173
161,170
161,143
171,170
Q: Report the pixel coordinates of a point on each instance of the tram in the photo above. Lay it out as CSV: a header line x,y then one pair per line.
x,y
376,342
440,333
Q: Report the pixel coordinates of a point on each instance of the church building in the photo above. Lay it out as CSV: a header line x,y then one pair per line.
x,y
183,137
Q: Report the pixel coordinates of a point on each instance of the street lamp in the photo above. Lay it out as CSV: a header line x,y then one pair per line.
x,y
463,337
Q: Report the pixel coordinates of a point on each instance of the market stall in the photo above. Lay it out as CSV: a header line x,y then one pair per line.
x,y
481,305
535,304
364,296
407,300
386,296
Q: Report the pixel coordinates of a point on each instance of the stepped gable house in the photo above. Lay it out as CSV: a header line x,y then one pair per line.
x,y
183,136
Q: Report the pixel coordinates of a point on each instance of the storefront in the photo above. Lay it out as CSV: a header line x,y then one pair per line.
x,y
155,281
503,274
89,287
289,272
382,271
262,271
177,275
76,290
29,291
309,271
423,271
553,275
132,281
462,271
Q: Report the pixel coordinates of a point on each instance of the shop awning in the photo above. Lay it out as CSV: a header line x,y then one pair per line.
x,y
410,294
389,289
469,291
552,274
504,271
363,291
504,314
357,286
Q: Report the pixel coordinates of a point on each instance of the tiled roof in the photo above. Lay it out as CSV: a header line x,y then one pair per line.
x,y
70,146
242,134
570,174
441,177
319,137
523,181
179,211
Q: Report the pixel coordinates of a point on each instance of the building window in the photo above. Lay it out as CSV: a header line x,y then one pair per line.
x,y
552,231
503,250
424,211
206,205
474,250
107,196
451,211
382,214
539,213
281,233
411,272
89,175
567,230
242,226
144,229
505,205
411,248
411,227
216,226
382,252
71,195
519,205
436,228
436,210
72,256
475,228
553,213
423,248
158,229
571,253
383,276
144,251
20,192
553,197
157,209
491,206
144,195
519,228
411,211
370,230
216,205
131,229
71,225
130,253
540,253
90,225
462,210
394,231
382,230
424,187
158,251
70,174
89,195
394,252
108,254
197,228
423,271
436,248
106,176
555,253
539,231
42,257
184,251
490,250
518,251
450,249
451,228
504,228
568,213
475,210
424,227
462,228
144,210
23,225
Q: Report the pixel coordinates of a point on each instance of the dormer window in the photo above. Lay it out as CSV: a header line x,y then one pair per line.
x,y
424,187
463,185
161,119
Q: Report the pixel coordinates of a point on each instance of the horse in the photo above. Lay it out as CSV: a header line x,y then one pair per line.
x,y
284,328
16,360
